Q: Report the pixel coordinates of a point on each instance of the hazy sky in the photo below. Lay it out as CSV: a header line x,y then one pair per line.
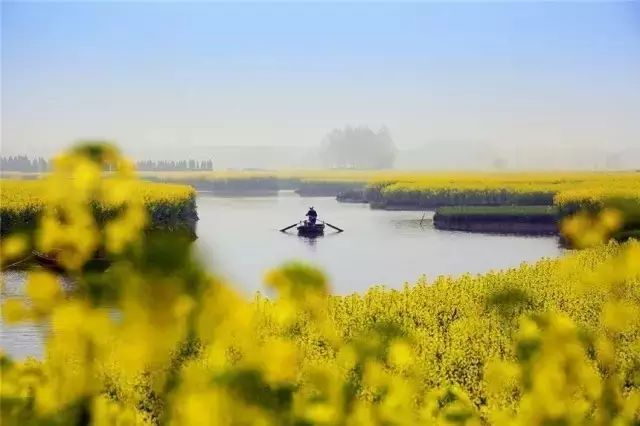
x,y
165,77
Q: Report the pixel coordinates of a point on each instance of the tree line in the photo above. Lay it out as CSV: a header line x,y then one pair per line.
x,y
148,165
24,164
358,148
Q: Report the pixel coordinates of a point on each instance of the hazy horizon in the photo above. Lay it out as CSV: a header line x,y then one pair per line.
x,y
166,79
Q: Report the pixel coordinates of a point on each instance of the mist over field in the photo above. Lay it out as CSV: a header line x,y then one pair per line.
x,y
458,86
445,155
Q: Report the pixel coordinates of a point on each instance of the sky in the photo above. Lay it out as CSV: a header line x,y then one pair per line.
x,y
161,79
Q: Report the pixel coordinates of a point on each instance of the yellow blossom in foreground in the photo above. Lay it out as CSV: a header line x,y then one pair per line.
x,y
44,290
13,247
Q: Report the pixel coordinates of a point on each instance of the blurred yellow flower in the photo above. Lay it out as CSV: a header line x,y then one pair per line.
x,y
14,310
44,290
13,247
400,354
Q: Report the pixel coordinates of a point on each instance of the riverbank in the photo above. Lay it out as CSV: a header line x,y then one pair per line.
x,y
319,188
170,207
265,183
403,196
570,192
402,189
521,220
419,191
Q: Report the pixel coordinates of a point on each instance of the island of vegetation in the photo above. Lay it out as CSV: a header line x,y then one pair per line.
x,y
536,220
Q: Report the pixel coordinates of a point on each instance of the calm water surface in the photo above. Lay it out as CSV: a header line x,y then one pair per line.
x,y
239,239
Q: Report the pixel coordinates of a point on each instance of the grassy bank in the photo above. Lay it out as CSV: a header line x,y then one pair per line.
x,y
221,184
534,220
613,211
583,196
418,197
169,207
327,188
432,191
305,182
625,198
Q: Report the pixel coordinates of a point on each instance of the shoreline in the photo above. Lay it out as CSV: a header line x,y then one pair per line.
x,y
498,227
518,220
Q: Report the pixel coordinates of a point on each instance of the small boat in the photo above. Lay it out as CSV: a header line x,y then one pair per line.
x,y
310,230
307,229
48,261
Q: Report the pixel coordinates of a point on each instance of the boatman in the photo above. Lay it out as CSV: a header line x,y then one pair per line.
x,y
312,215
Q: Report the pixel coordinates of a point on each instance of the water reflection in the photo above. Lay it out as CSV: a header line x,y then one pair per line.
x,y
311,241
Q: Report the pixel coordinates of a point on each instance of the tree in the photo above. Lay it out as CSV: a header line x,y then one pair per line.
x,y
358,147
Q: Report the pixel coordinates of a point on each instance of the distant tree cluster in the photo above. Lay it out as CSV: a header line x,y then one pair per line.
x,y
358,147
179,165
22,163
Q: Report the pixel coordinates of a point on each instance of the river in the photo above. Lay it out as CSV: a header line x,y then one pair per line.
x,y
238,237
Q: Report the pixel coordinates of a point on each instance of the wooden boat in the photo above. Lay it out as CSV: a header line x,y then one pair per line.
x,y
48,261
310,230
306,229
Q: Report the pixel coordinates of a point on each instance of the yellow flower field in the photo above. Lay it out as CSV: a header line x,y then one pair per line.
x,y
564,186
429,189
22,201
556,342
21,194
538,181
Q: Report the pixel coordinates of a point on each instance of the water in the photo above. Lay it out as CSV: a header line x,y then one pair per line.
x,y
239,239
21,340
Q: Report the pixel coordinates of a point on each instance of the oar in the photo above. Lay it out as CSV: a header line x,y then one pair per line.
x,y
288,227
334,227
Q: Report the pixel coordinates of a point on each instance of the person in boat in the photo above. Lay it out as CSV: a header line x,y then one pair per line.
x,y
312,215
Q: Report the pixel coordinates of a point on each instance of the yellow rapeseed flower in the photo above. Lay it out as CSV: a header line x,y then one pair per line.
x,y
44,290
